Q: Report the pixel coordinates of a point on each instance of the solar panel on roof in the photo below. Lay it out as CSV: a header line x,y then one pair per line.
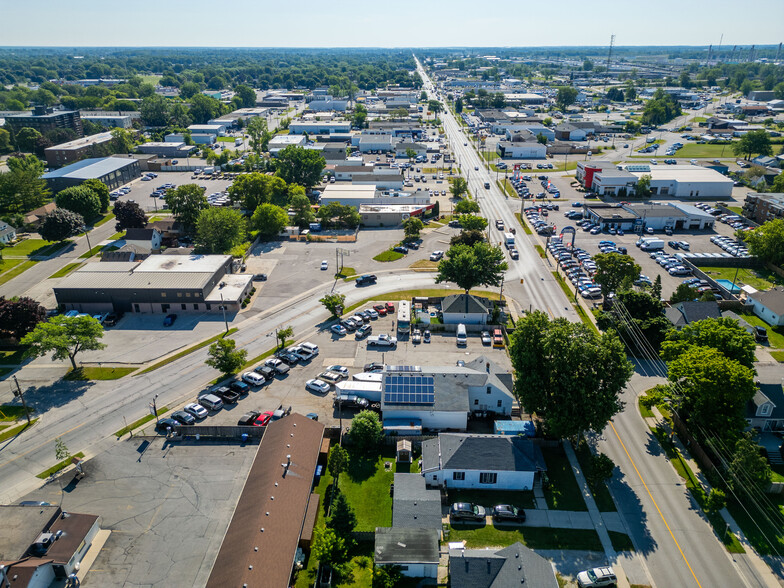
x,y
409,389
404,368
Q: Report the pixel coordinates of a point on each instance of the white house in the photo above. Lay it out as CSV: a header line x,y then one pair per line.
x,y
414,550
465,308
769,305
493,462
144,239
7,233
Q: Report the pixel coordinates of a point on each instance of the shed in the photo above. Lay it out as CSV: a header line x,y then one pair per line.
x,y
404,451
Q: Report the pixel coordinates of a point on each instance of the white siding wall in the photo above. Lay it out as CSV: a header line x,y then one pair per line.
x,y
504,481
42,578
440,420
479,399
455,318
766,314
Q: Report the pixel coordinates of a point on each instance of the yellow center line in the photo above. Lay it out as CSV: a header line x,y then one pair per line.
x,y
656,505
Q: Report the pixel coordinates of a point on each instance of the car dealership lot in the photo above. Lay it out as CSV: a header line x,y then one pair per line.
x,y
141,190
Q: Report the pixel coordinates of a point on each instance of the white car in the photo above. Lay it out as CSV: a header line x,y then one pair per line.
x,y
196,410
436,255
596,577
486,340
277,365
253,379
338,369
319,386
324,265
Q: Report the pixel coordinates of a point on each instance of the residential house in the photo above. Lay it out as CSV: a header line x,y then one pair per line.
x,y
170,230
36,217
766,410
148,238
466,309
7,233
769,305
510,567
492,462
683,313
415,550
414,505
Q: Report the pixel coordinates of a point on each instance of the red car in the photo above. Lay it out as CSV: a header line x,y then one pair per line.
x,y
380,309
390,307
263,419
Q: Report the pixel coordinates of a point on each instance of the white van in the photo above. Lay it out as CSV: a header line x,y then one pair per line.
x,y
462,338
310,347
211,402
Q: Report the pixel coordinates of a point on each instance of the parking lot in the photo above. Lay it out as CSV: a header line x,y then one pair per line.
x,y
289,390
141,190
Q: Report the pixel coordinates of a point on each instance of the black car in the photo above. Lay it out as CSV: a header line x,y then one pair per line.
x,y
260,278
164,424
248,418
366,279
349,325
373,367
286,357
265,371
169,320
401,249
228,395
240,388
413,245
111,319
466,511
508,513
183,417
761,333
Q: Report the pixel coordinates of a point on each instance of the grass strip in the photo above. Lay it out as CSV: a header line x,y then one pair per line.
x,y
108,217
533,537
185,352
422,292
601,494
13,432
388,255
523,224
64,271
12,413
94,251
59,466
563,493
99,373
777,355
424,264
138,423
19,269
540,251
620,541
506,187
346,273
644,410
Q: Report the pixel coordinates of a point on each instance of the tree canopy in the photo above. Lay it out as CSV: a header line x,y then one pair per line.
x,y
269,220
224,357
186,202
60,224
81,200
19,316
129,215
566,96
470,266
254,189
723,334
614,270
366,430
753,142
767,241
65,337
218,229
297,165
567,374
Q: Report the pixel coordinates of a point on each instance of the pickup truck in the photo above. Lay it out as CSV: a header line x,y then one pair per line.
x,y
331,377
382,340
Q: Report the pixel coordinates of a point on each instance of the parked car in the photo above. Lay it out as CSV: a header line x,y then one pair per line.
x,y
761,334
248,419
240,387
169,320
416,337
390,307
183,417
277,365
380,309
436,255
167,423
466,511
339,330
363,331
596,577
373,367
197,410
503,513
263,419
318,386
486,340
287,357
228,395
324,265
267,372
253,378
400,249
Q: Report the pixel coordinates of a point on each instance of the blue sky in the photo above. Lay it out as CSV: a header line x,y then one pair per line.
x,y
389,23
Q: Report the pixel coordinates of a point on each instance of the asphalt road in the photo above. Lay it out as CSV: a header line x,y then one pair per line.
x,y
671,536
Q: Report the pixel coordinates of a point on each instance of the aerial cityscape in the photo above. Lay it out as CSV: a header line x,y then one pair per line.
x,y
418,301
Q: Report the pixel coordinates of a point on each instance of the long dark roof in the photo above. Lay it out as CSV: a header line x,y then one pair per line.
x,y
513,566
265,529
461,451
406,545
414,505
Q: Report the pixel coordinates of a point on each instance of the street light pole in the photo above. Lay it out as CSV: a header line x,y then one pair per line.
x,y
155,408
223,308
21,397
86,234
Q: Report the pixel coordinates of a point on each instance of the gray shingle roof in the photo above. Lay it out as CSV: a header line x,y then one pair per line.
x,y
413,505
684,313
772,299
515,565
399,545
490,452
462,303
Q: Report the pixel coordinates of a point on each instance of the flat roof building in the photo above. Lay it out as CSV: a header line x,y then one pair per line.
x,y
166,149
687,181
90,146
112,171
279,142
122,120
44,119
763,207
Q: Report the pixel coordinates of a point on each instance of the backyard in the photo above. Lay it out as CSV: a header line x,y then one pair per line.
x,y
563,492
759,278
534,537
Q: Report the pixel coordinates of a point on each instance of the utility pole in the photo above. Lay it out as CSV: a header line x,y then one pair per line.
x,y
223,308
21,397
155,408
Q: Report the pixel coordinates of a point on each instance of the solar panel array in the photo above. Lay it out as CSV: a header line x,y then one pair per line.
x,y
409,389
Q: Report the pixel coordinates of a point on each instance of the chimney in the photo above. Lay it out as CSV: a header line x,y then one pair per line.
x,y
487,367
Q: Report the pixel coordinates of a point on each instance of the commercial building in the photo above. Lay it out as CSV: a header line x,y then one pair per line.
x,y
613,182
112,171
358,194
166,149
197,138
612,216
315,127
211,129
91,146
586,170
159,284
122,120
675,216
389,215
687,181
369,143
276,511
521,150
44,119
763,207
280,142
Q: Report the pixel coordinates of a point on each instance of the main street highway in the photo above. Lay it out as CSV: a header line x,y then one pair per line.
x,y
671,535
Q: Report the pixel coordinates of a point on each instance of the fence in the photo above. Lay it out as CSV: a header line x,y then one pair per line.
x,y
224,432
695,449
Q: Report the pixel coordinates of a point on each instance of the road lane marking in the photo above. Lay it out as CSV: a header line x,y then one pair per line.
x,y
666,524
36,448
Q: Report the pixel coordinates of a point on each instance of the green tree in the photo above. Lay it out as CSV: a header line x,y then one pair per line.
x,y
767,241
614,270
186,203
642,188
269,220
27,139
218,229
60,224
154,111
567,374
547,121
540,138
342,518
566,96
99,189
301,206
748,466
411,154
684,293
777,186
21,188
65,336
723,334
129,215
660,109
204,108
753,142
334,303
247,95
468,267
412,226
282,335
459,105
297,165
180,117
713,389
434,106
656,288
458,186
717,500
360,116
339,214
366,430
259,134
19,316
387,576
224,357
587,65
61,451
466,207
328,548
122,141
80,200
633,310
337,463
5,142
472,222
469,238
251,190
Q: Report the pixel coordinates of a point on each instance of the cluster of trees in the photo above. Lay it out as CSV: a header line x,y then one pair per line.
x,y
767,241
660,109
483,99
19,316
21,187
75,206
753,142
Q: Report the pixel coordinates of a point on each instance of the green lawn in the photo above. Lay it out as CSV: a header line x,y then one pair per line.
x,y
57,467
226,139
17,270
489,155
489,498
601,493
33,247
506,187
366,487
9,264
138,423
777,355
620,541
540,250
117,236
388,255
760,531
736,209
185,352
14,431
64,271
761,279
775,334
525,226
563,493
706,150
644,410
99,373
12,413
533,537
106,218
346,273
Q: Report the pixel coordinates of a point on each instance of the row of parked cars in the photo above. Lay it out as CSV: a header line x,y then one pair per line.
x,y
731,246
358,323
733,220
671,263
578,266
536,216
